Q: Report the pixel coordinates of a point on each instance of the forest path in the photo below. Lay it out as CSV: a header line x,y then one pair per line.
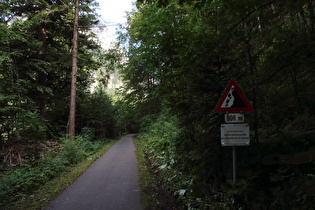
x,y
111,183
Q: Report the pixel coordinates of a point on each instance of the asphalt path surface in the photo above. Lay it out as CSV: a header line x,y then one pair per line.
x,y
111,183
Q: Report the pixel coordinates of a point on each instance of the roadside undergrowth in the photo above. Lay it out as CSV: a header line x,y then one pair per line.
x,y
23,189
154,194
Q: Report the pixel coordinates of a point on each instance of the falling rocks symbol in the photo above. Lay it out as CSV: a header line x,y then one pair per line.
x,y
233,100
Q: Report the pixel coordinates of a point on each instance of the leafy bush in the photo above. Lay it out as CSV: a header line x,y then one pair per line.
x,y
30,125
72,152
17,183
181,170
159,139
280,172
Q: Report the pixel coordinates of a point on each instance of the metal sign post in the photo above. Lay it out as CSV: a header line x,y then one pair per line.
x,y
235,135
234,165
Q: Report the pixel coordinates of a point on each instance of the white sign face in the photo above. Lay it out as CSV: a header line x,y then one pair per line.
x,y
229,100
235,135
234,117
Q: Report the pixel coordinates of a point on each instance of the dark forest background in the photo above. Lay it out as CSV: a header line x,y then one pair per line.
x,y
177,58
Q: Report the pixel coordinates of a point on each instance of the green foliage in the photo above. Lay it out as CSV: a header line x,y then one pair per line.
x,y
98,115
183,53
20,182
73,152
280,172
146,179
159,139
162,143
35,64
17,183
30,125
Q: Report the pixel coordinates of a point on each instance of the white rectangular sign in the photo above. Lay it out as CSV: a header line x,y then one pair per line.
x,y
234,117
235,135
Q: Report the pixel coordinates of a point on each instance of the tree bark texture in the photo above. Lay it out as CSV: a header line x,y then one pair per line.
x,y
71,131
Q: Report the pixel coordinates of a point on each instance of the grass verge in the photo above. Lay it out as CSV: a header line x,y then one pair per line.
x,y
146,180
40,198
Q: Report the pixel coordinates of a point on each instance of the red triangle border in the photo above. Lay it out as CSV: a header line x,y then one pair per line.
x,y
248,107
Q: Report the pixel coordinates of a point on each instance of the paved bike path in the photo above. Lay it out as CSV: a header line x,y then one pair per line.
x,y
111,183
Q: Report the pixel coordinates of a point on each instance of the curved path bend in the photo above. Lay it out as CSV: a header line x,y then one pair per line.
x,y
111,183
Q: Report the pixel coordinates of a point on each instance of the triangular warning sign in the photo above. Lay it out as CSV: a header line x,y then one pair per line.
x,y
233,100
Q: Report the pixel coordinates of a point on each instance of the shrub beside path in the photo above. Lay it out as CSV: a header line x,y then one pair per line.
x,y
111,183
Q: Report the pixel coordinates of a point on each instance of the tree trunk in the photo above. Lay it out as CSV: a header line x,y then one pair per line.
x,y
295,86
312,15
71,129
41,79
254,92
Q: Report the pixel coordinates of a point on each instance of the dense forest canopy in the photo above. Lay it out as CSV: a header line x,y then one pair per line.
x,y
177,46
181,55
35,67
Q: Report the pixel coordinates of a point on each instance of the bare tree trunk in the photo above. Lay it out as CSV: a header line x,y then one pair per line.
x,y
42,80
252,67
295,86
71,130
312,15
